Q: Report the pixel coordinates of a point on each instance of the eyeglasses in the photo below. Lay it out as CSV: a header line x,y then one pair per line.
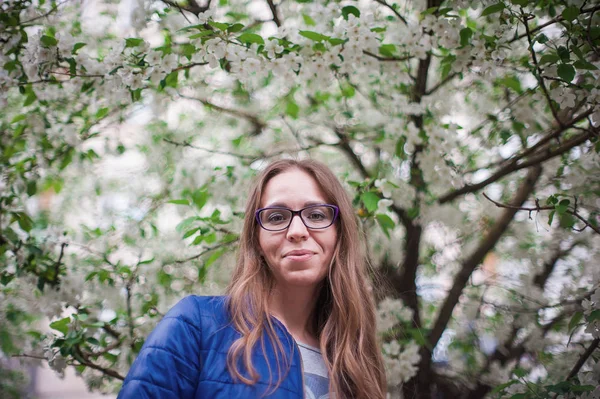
x,y
277,218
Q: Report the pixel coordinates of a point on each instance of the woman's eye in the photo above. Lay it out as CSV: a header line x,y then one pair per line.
x,y
316,216
276,218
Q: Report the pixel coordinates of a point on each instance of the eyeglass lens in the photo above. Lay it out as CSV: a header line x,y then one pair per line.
x,y
315,217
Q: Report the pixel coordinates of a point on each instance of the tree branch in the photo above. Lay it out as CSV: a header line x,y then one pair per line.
x,y
514,166
584,356
554,20
53,9
387,59
273,9
538,75
477,257
84,360
254,120
393,9
345,146
441,83
538,208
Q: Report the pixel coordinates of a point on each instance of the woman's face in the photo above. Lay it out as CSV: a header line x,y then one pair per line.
x,y
297,256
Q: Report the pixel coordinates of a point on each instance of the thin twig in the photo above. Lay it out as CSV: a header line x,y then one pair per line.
x,y
224,244
53,9
538,75
538,208
387,59
554,20
256,122
393,9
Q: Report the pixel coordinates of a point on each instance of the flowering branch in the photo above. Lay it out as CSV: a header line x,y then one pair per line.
x,y
83,358
538,208
469,265
53,9
254,120
554,20
538,75
540,154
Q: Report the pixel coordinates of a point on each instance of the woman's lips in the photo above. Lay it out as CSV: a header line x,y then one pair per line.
x,y
299,255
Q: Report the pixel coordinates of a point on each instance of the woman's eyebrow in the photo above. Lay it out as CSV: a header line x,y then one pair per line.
x,y
285,205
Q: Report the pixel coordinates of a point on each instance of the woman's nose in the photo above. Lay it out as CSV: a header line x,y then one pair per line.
x,y
297,230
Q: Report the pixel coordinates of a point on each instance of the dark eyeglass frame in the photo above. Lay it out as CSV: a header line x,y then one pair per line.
x,y
336,212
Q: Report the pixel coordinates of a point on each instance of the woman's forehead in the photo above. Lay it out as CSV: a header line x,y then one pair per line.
x,y
292,188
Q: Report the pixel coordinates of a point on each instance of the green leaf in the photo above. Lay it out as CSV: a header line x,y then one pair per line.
x,y
48,41
133,42
292,109
582,64
317,37
61,325
171,79
595,315
102,112
370,199
350,10
348,91
31,97
428,11
541,38
191,232
563,53
562,206
566,72
179,202
308,20
387,50
24,221
494,8
549,59
18,118
219,25
465,36
575,319
570,13
200,27
235,28
186,223
520,372
250,38
200,197
77,46
335,41
386,223
188,50
202,34
551,217
521,3
511,82
213,257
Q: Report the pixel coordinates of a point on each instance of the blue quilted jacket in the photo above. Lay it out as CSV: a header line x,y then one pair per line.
x,y
185,357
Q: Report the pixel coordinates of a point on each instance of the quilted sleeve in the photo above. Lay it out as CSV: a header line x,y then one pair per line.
x,y
169,363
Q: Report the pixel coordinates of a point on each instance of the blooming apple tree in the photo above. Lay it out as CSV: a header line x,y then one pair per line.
x,y
466,132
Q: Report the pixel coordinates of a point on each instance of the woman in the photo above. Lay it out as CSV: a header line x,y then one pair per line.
x,y
298,320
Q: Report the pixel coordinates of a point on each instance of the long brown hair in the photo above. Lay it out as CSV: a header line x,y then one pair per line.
x,y
344,316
